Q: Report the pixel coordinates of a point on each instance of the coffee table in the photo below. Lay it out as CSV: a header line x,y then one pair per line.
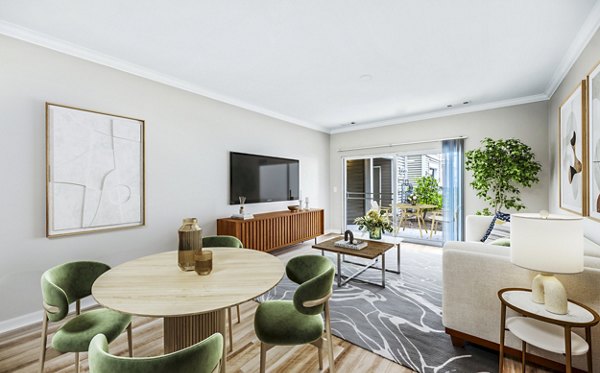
x,y
373,251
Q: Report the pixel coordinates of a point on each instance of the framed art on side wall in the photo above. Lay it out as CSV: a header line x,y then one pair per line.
x,y
94,171
594,143
571,140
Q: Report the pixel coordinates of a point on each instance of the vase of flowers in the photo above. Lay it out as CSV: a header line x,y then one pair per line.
x,y
375,222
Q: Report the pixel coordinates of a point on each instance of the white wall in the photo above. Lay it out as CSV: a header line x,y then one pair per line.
x,y
584,64
525,122
187,142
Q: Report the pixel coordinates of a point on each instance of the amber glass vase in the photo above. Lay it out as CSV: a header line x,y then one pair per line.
x,y
190,243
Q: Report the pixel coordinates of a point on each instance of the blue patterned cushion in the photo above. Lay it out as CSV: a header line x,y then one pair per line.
x,y
499,216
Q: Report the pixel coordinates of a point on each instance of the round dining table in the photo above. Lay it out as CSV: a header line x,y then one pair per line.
x,y
192,306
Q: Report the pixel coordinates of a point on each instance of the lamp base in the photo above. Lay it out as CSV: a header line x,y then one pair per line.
x,y
547,289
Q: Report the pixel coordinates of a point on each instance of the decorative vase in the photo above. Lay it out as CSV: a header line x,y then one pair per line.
x,y
190,243
375,233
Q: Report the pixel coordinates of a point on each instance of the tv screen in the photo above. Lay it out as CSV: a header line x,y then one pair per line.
x,y
261,178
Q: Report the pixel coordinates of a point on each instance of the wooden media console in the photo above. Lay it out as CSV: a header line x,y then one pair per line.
x,y
274,230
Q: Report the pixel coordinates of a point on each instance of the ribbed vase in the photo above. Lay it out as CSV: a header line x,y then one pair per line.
x,y
190,242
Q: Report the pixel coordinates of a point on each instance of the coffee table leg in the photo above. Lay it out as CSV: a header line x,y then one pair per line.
x,y
383,270
339,269
398,257
184,331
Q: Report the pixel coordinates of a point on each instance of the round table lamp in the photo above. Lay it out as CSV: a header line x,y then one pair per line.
x,y
550,244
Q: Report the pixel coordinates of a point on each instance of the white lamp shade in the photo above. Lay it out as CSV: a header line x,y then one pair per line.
x,y
550,245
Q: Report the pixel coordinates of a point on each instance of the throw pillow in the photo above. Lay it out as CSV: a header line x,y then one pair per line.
x,y
499,216
501,230
501,242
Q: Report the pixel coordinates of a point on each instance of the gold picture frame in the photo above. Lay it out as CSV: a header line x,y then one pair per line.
x,y
593,144
95,171
572,150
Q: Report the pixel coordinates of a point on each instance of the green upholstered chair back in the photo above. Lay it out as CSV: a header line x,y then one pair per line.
x,y
315,275
221,241
66,283
203,357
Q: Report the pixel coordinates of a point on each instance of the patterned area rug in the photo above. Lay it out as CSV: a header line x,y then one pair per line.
x,y
402,322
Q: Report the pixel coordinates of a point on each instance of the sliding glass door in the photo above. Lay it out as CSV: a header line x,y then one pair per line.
x,y
409,187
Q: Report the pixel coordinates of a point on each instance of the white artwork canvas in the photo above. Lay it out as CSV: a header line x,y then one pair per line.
x,y
594,144
95,174
571,153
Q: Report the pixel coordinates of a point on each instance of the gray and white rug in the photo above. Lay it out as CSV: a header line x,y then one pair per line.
x,y
402,322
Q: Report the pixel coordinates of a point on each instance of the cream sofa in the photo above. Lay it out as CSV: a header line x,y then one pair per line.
x,y
473,272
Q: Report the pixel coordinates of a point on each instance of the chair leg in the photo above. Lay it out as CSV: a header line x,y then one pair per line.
x,y
263,357
77,362
129,340
44,341
230,329
329,340
319,345
238,312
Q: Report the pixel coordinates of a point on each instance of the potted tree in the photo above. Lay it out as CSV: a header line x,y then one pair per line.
x,y
500,169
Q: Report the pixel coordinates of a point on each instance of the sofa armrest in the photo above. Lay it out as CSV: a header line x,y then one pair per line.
x,y
476,226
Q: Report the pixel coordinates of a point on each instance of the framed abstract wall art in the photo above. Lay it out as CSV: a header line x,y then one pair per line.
x,y
571,140
594,143
94,171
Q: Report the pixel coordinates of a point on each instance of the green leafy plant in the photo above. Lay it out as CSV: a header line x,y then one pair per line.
x,y
428,191
374,219
500,169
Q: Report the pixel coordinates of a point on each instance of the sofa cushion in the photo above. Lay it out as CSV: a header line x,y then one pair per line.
x,y
504,241
498,216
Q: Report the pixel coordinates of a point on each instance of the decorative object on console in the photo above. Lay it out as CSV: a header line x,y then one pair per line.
x,y
242,201
593,85
306,203
190,244
294,208
500,169
571,163
94,171
375,222
548,244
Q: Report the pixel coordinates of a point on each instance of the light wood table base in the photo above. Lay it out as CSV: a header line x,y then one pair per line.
x,y
184,331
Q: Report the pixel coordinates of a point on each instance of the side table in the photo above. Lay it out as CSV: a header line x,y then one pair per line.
x,y
546,330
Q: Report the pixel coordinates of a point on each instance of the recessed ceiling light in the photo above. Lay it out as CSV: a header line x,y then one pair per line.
x,y
466,102
366,77
449,105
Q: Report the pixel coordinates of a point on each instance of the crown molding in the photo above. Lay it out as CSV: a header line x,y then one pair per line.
x,y
443,113
33,37
583,37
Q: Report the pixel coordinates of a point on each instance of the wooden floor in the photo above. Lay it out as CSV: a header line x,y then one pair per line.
x,y
19,350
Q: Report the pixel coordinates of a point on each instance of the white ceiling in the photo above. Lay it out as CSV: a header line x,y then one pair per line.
x,y
324,64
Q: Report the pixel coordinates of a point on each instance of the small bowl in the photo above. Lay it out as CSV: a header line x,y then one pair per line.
x,y
294,208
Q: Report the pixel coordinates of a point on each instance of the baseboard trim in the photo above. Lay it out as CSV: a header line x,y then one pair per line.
x,y
17,324
457,336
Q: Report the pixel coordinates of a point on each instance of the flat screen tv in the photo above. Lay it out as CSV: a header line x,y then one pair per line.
x,y
261,178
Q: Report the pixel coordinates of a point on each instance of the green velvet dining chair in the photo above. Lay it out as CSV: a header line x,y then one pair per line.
x,y
296,322
225,241
203,357
68,283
